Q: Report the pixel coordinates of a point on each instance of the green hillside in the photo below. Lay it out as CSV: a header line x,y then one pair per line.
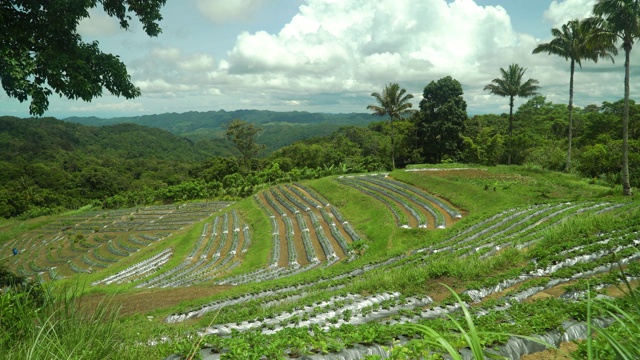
x,y
279,128
49,165
354,259
39,139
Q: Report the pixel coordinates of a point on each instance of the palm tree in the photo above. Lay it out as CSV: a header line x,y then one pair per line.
x,y
393,102
574,42
511,85
622,18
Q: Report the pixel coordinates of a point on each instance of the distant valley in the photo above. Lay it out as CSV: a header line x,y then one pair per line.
x,y
207,128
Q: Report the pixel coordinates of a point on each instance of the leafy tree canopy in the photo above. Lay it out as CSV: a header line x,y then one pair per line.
x,y
444,112
41,51
244,135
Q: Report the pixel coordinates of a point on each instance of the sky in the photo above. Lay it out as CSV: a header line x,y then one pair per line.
x,y
330,55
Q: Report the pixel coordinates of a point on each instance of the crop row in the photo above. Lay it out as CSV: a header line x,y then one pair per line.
x,y
299,289
296,202
394,193
122,232
390,263
406,201
215,251
139,269
328,318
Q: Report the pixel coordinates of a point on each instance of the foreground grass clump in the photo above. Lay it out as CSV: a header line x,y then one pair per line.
x,y
621,340
41,322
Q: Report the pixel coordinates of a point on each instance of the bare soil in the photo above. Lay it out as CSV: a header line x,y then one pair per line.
x,y
149,300
562,353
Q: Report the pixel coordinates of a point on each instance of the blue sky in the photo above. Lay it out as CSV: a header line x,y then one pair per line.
x,y
329,55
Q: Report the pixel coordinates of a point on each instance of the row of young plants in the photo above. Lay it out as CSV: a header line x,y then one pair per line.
x,y
347,227
469,250
515,226
525,241
297,203
529,285
389,200
529,222
139,269
408,197
279,292
274,256
93,263
433,205
291,247
401,219
299,191
423,194
306,240
209,261
512,317
120,232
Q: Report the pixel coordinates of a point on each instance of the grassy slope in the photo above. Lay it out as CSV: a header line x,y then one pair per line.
x,y
514,187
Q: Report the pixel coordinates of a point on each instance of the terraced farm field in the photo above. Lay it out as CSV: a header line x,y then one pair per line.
x,y
345,268
96,241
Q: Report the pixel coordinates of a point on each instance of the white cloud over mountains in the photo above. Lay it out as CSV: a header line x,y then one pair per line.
x,y
358,46
332,54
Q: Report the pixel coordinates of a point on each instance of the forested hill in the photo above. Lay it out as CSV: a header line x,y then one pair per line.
x,y
45,139
48,165
278,128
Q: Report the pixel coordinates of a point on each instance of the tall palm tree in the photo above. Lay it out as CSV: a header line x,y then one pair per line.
x,y
622,18
574,42
511,84
393,102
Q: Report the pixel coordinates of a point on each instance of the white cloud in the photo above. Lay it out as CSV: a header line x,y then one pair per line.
x,y
561,11
125,105
168,54
220,11
358,46
98,24
197,62
332,54
167,72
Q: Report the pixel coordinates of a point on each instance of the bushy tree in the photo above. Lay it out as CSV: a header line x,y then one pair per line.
x,y
244,135
41,52
443,113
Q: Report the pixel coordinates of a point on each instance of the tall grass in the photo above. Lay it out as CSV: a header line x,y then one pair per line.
x,y
58,326
438,342
621,340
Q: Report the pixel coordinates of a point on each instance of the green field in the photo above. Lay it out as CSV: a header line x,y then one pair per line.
x,y
345,264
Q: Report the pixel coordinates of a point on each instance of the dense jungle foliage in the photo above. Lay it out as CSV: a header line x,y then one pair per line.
x,y
50,165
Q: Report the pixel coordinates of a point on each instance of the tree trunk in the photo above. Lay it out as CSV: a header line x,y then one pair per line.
x,y
573,67
510,130
393,148
626,187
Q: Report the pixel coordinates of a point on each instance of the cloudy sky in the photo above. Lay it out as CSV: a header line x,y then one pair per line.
x,y
329,55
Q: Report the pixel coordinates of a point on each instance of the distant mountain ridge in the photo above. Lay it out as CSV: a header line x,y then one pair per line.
x,y
279,128
45,139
